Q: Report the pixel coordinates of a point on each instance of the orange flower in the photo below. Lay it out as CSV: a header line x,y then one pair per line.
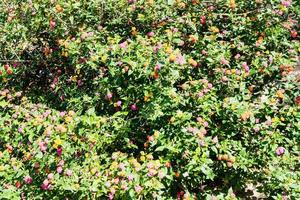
x,y
279,94
58,8
246,115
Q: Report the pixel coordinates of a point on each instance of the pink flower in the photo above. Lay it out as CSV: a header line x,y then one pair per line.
x,y
138,188
158,67
69,172
150,34
209,85
157,47
256,129
245,66
109,96
130,177
200,94
45,185
280,151
43,146
161,174
61,163
123,45
119,103
215,140
180,59
205,124
20,129
110,196
28,179
223,61
237,56
50,176
59,169
286,3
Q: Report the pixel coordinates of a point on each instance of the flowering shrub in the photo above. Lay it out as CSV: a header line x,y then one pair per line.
x,y
143,99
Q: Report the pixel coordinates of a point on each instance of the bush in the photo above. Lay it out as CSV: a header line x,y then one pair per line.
x,y
149,99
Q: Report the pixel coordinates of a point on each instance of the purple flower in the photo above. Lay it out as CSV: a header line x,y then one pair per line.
x,y
280,151
205,124
119,103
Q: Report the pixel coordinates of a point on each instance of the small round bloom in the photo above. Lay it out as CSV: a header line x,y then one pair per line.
x,y
59,169
50,176
280,151
150,34
28,179
69,172
134,107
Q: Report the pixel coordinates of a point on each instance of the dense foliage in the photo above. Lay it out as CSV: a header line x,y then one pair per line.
x,y
144,99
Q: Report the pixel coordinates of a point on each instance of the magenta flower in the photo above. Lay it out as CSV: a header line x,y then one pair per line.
x,y
45,185
134,107
28,179
280,151
59,151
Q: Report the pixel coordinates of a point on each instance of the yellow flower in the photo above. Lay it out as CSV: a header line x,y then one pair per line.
x,y
279,94
2,168
68,119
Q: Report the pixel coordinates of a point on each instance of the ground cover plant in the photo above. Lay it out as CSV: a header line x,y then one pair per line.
x,y
144,99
